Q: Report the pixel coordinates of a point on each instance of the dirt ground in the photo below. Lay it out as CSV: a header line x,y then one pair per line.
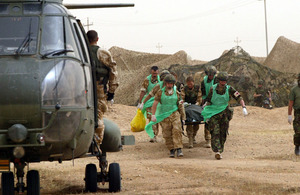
x,y
258,159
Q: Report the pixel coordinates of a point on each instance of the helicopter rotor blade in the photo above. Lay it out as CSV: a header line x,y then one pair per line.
x,y
87,6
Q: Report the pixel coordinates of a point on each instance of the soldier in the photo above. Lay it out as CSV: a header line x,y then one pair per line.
x,y
294,102
217,113
170,113
208,81
178,84
261,95
148,101
191,93
106,74
147,86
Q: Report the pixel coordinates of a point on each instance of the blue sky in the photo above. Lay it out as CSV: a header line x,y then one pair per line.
x,y
202,28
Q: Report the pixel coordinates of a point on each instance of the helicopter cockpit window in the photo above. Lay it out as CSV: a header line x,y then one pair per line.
x,y
65,85
57,38
18,35
53,9
4,9
32,8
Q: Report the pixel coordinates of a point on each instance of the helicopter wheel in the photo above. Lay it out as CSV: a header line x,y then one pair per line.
x,y
7,183
33,182
114,175
91,178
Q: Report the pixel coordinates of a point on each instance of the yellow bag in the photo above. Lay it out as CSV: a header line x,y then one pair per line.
x,y
138,123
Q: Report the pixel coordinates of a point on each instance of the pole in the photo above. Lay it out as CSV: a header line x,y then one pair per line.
x,y
266,26
158,46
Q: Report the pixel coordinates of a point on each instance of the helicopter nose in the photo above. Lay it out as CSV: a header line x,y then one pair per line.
x,y
17,133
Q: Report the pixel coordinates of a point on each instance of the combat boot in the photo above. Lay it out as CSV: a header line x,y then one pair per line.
x,y
207,144
172,153
297,150
179,152
152,140
194,141
218,156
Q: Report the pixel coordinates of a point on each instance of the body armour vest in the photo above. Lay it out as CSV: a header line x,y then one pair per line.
x,y
191,94
101,69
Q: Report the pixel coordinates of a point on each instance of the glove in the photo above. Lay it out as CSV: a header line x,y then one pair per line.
x,y
290,119
245,111
203,106
153,118
112,102
110,96
140,106
183,122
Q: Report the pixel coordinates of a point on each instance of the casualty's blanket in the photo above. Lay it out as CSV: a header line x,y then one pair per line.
x,y
193,114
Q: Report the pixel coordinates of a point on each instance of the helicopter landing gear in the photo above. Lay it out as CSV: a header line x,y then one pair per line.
x,y
92,177
114,175
33,181
7,183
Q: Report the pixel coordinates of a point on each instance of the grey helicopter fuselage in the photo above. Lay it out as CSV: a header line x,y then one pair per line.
x,y
47,103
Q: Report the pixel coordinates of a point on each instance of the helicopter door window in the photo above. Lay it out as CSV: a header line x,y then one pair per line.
x,y
80,37
18,35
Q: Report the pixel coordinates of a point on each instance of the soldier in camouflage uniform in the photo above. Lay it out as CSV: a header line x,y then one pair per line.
x,y
148,84
169,113
261,94
179,85
106,74
157,87
217,113
148,101
208,81
294,102
191,93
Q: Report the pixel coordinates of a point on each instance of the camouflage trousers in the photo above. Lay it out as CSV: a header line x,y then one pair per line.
x,y
102,108
154,127
207,135
192,130
112,80
172,131
218,126
296,126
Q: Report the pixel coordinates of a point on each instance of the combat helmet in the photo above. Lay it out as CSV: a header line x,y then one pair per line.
x,y
210,70
170,79
222,76
163,74
260,82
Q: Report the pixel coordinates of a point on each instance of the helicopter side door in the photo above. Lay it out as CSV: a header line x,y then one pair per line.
x,y
84,44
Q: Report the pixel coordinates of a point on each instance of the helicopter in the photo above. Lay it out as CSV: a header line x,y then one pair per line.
x,y
48,103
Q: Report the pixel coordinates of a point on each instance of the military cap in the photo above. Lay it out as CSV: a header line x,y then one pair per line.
x,y
222,76
170,79
163,74
210,70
